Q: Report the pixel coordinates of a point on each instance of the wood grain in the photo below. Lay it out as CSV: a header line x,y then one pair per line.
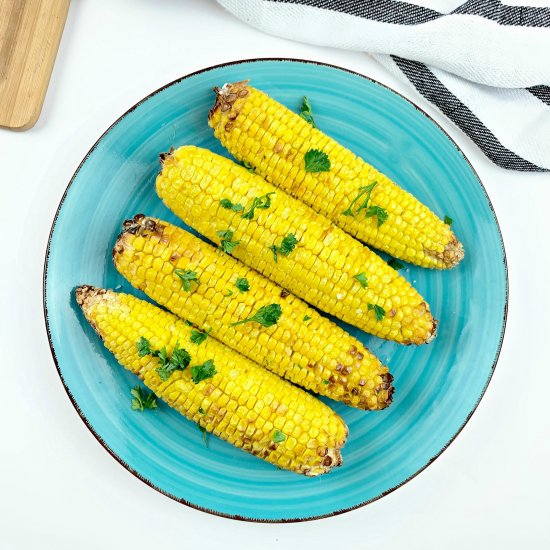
x,y
30,31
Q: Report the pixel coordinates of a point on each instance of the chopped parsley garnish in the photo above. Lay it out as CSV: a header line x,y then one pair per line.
x,y
143,346
178,360
249,166
142,399
448,221
242,284
396,264
204,371
228,293
198,337
263,203
188,323
370,211
362,278
287,246
307,318
380,213
326,382
187,277
278,436
306,112
379,312
227,243
316,161
228,205
201,410
267,316
204,434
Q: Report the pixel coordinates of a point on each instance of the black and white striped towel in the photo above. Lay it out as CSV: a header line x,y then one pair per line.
x,y
484,64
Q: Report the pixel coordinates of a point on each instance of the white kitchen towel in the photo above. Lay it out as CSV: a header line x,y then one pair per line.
x,y
484,64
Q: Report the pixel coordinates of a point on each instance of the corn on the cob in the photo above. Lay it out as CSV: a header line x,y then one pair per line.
x,y
301,346
274,140
327,267
242,403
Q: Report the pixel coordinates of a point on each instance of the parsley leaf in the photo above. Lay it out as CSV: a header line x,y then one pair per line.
x,y
263,203
201,410
362,278
179,361
204,434
288,244
278,436
143,346
396,264
198,337
316,161
204,371
188,323
307,318
306,112
167,365
249,166
187,277
228,205
379,212
379,312
448,221
365,190
242,284
326,382
267,316
226,243
142,399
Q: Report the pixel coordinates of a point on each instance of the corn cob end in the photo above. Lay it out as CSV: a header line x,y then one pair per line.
x,y
451,255
227,95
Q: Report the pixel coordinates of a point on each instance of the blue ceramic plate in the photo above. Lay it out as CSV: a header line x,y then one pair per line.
x,y
437,386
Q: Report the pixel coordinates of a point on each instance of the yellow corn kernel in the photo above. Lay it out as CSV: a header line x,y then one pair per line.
x,y
285,138
201,402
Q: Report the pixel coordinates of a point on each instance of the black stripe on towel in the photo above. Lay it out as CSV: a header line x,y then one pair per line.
x,y
404,13
541,92
435,92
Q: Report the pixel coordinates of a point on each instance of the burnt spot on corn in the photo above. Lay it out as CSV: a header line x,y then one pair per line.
x,y
227,95
284,293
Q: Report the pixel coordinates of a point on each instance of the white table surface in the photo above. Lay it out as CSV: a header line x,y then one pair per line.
x,y
60,489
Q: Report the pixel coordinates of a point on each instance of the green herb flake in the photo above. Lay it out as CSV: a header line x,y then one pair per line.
x,y
228,293
266,316
288,244
187,277
316,161
198,337
362,278
380,213
143,346
242,284
142,399
396,264
307,318
179,360
204,371
448,221
202,429
227,244
278,436
379,312
188,323
201,410
306,112
249,166
326,382
228,205
262,203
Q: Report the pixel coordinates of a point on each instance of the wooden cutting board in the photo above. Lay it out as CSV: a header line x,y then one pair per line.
x,y
30,31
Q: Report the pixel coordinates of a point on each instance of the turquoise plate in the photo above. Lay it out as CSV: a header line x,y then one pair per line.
x,y
438,386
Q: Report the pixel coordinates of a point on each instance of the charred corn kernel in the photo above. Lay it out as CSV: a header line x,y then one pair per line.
x,y
310,353
327,267
121,320
274,140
